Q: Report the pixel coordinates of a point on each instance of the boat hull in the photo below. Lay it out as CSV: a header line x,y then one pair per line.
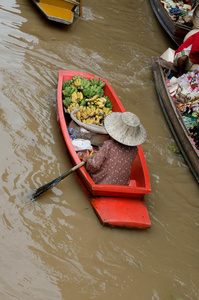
x,y
107,194
60,11
175,121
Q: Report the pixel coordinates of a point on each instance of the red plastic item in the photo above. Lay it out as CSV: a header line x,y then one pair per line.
x,y
115,205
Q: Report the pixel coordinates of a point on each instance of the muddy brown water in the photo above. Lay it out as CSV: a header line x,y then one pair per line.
x,y
55,248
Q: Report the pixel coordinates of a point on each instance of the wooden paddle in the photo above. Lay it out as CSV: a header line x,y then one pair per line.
x,y
38,192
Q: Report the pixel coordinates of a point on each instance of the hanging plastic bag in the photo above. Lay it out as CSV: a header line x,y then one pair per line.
x,y
81,144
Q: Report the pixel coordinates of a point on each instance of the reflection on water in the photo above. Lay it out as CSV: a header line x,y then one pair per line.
x,y
55,247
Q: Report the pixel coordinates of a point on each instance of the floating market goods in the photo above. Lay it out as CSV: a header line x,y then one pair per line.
x,y
194,133
87,96
184,92
92,115
177,11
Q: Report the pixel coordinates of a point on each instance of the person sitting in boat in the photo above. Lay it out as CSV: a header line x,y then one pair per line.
x,y
112,163
187,54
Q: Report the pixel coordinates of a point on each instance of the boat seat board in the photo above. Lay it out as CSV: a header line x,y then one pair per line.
x,y
57,12
121,212
132,183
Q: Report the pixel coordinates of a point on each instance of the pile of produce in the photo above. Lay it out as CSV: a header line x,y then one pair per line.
x,y
87,95
184,92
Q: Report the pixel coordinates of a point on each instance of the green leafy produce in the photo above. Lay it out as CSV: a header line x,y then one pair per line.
x,y
91,92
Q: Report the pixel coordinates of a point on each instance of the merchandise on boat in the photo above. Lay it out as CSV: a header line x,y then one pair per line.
x,y
179,98
184,92
115,205
176,17
179,11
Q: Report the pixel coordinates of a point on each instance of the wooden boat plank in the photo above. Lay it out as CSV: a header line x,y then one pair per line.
x,y
140,181
73,2
174,119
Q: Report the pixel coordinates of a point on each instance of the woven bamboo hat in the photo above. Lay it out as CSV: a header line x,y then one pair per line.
x,y
125,128
195,20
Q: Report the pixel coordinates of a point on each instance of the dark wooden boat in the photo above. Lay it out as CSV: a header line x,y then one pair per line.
x,y
174,119
175,30
61,11
116,206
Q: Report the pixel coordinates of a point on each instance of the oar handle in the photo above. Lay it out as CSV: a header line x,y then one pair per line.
x,y
71,170
78,166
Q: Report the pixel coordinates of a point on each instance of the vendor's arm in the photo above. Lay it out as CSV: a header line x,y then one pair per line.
x,y
187,43
94,163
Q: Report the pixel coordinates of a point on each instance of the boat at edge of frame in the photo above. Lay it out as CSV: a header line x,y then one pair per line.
x,y
60,11
174,119
115,206
175,30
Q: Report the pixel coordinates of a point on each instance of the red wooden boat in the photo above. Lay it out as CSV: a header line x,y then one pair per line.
x,y
115,206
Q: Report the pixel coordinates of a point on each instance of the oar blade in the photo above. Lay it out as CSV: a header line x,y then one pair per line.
x,y
44,188
38,192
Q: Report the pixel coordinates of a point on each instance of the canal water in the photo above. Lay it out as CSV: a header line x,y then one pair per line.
x,y
55,248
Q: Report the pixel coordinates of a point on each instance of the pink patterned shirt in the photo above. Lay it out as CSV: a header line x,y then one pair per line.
x,y
112,163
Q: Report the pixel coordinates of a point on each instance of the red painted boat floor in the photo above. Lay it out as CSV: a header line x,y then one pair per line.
x,y
121,212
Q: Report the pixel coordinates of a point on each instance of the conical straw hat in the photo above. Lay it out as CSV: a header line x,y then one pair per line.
x,y
125,128
195,17
195,20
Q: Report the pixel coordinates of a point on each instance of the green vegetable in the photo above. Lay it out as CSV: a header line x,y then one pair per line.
x,y
66,84
83,103
67,101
